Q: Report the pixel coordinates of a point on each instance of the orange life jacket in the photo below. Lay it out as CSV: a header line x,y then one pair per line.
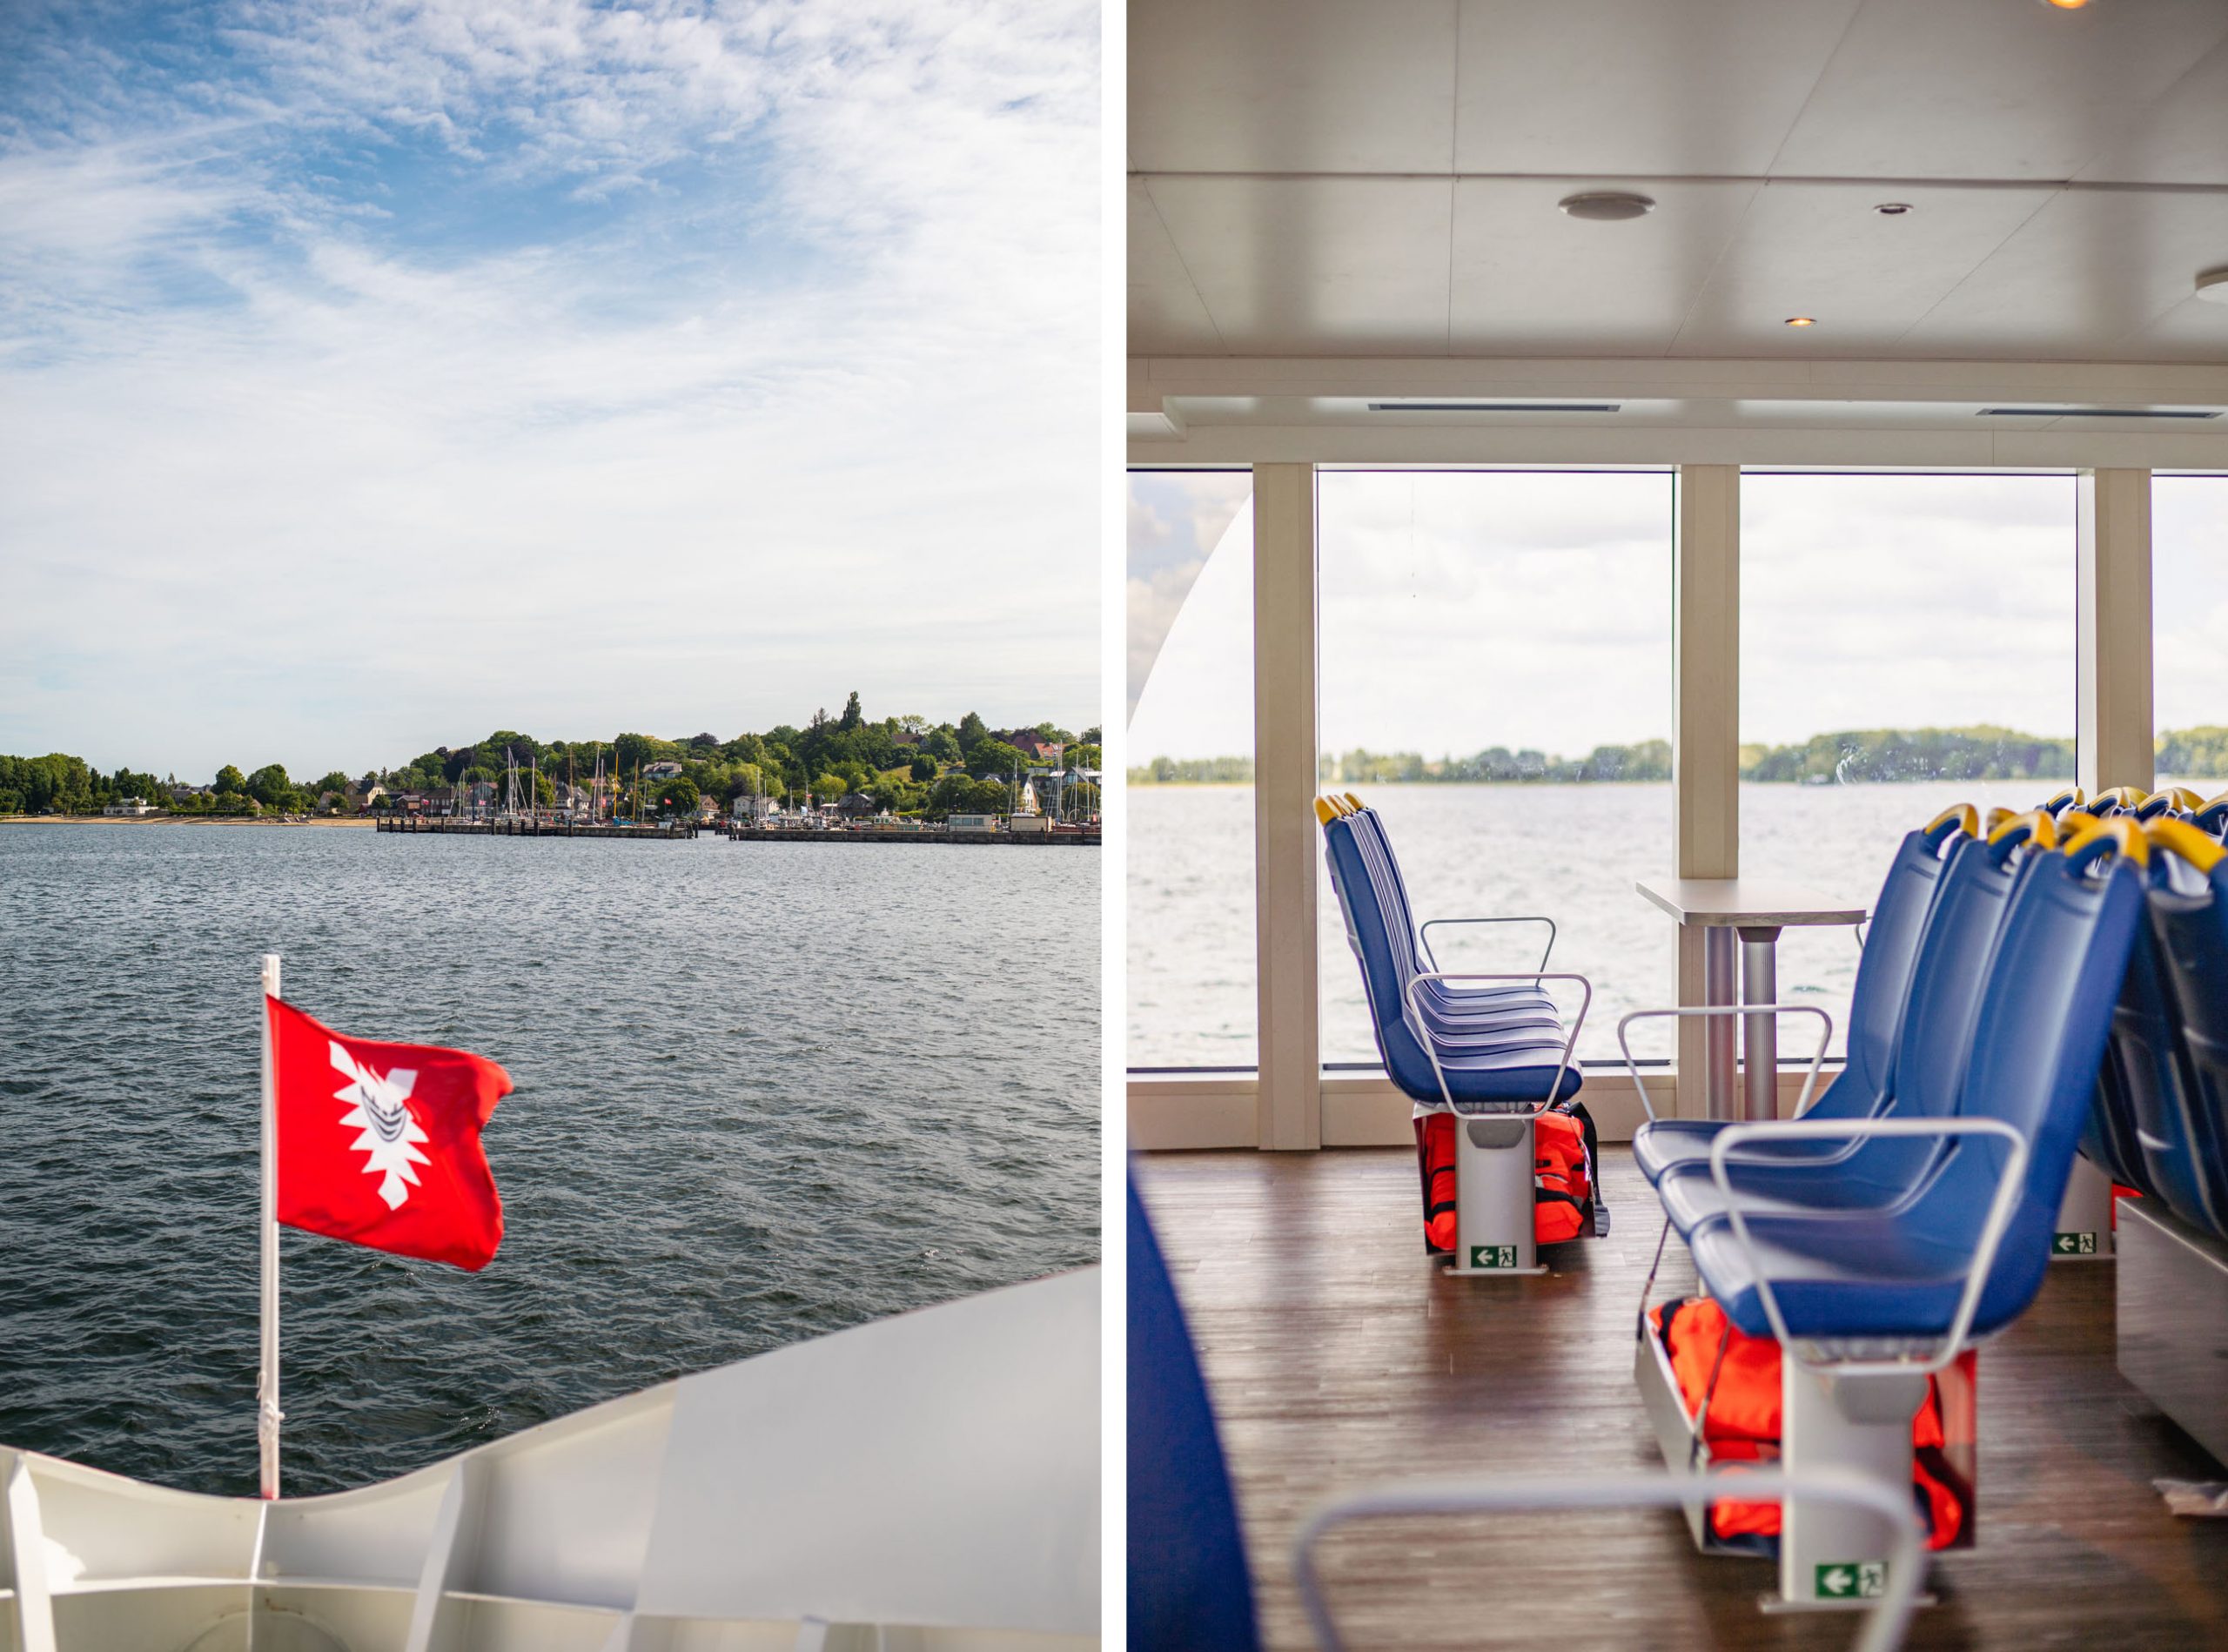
x,y
1562,1178
1742,1422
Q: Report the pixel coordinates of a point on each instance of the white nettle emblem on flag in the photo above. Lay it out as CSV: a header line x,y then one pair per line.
x,y
378,1105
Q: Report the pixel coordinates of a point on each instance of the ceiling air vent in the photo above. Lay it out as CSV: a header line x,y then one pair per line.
x,y
1498,407
2100,412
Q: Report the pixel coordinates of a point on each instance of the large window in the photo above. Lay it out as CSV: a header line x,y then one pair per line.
x,y
2189,598
1494,677
1190,799
1907,642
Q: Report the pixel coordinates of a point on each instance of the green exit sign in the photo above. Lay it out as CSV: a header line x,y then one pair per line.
x,y
2073,1245
1492,1256
1851,1580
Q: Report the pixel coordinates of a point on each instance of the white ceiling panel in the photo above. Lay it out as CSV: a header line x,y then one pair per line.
x,y
1637,85
1530,280
1166,314
1298,265
1299,85
1820,250
2086,278
2183,139
2191,330
2007,88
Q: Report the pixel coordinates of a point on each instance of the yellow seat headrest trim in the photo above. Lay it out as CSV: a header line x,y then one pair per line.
x,y
1996,817
1325,810
1357,804
2183,797
1968,819
2041,829
2180,838
2124,833
2126,796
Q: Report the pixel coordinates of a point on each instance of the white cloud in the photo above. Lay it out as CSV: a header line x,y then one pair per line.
x,y
789,392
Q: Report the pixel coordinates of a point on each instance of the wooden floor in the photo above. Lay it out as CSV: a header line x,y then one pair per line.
x,y
1337,1355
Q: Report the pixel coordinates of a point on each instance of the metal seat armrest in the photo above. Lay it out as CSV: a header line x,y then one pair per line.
x,y
1431,1046
1884,1625
1993,1227
1424,934
1809,1081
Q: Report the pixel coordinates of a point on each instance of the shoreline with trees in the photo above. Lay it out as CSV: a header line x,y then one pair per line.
x,y
1847,756
906,765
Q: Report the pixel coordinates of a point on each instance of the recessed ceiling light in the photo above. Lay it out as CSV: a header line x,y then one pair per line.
x,y
1892,208
1606,207
2066,6
2213,285
1802,321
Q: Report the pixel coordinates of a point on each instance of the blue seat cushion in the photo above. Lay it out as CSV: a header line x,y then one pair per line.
x,y
1854,1275
1665,1144
1518,1074
1876,1177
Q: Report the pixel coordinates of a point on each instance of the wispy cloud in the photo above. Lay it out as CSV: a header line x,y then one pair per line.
x,y
371,373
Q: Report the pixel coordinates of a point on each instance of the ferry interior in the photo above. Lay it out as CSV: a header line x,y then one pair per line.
x,y
1880,1296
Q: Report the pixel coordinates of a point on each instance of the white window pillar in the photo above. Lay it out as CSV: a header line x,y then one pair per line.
x,y
1285,841
1704,726
2113,605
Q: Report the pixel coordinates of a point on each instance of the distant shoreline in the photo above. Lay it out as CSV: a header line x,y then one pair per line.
x,y
361,822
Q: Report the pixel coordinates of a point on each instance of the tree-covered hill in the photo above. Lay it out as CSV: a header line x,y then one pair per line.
x,y
907,764
1981,752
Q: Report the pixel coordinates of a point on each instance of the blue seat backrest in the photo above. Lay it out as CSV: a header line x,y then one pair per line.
x,y
2140,1087
1384,943
1187,1586
2190,924
2045,1011
1884,975
1936,1035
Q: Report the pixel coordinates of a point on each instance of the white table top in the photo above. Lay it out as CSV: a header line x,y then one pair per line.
x,y
1746,902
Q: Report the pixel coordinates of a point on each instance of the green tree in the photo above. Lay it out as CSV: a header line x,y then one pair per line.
x,y
827,788
923,767
972,729
852,716
677,797
230,782
994,757
270,787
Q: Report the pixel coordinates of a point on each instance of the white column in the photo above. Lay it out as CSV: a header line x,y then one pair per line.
x,y
1285,834
1705,742
2112,606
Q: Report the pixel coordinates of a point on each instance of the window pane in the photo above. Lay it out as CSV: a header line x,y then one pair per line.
x,y
1907,642
1190,798
2189,598
1495,678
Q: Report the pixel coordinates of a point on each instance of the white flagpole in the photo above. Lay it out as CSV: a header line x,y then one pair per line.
x,y
266,1383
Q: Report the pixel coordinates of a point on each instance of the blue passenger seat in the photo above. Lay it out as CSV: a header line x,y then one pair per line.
x,y
1500,1045
1875,1009
2050,985
2186,1140
1931,1046
1188,1588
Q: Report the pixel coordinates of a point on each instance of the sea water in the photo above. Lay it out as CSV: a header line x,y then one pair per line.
x,y
764,1092
1569,852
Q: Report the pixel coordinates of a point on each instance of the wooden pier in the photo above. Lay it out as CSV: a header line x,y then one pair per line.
x,y
444,825
790,834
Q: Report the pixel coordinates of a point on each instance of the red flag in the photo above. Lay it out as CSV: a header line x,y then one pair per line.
x,y
380,1143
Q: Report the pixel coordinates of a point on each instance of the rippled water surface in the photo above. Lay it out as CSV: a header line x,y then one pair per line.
x,y
764,1091
1568,851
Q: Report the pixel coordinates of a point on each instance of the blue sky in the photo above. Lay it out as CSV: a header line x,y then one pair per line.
x,y
372,376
